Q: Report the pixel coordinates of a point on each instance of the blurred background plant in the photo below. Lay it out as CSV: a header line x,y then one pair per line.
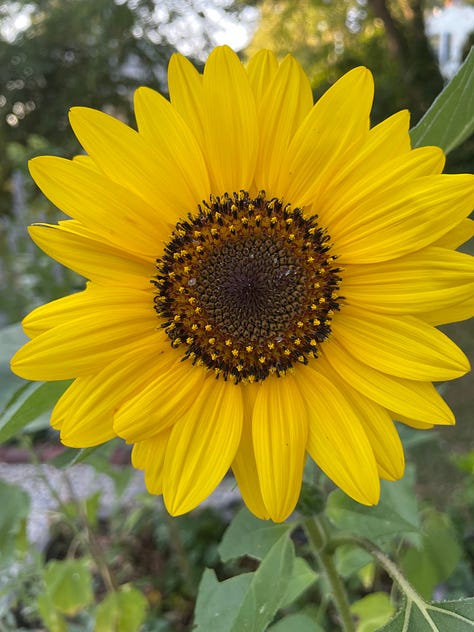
x,y
132,568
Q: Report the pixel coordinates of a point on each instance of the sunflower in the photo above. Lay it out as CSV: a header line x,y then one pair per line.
x,y
265,277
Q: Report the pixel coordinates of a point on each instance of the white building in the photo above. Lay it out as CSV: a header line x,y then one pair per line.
x,y
448,29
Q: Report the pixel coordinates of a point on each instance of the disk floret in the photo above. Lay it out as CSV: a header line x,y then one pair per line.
x,y
247,287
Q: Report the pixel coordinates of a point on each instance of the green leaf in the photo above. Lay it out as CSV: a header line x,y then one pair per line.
x,y
302,622
15,504
246,603
447,616
218,603
122,611
396,513
248,535
11,339
372,611
350,559
450,119
33,399
68,585
53,619
301,579
438,557
71,456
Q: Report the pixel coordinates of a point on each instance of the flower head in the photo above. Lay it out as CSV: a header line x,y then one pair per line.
x,y
264,280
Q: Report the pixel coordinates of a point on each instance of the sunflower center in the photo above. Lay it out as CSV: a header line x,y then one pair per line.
x,y
247,287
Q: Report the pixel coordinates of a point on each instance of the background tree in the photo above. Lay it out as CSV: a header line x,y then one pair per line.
x,y
92,53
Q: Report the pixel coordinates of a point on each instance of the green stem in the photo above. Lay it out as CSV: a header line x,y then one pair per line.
x,y
388,565
320,541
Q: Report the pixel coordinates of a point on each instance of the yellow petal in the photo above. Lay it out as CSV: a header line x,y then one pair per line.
x,y
400,220
107,207
432,278
244,465
230,118
127,157
261,69
165,399
362,183
162,125
280,430
85,412
149,455
419,425
283,107
415,400
202,446
377,424
333,126
88,342
384,142
451,314
186,93
90,434
54,313
337,441
94,258
403,346
457,236
86,161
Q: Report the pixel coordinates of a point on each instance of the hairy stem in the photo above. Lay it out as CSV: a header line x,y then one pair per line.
x,y
387,564
319,539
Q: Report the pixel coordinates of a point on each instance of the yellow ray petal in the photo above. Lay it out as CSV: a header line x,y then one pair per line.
x,y
53,314
202,446
107,207
415,400
335,124
261,69
87,343
280,430
383,437
186,93
451,314
91,257
419,425
244,465
432,278
86,161
457,236
337,441
230,119
281,110
165,399
96,433
361,184
377,424
384,142
162,125
149,455
403,346
88,407
397,221
127,157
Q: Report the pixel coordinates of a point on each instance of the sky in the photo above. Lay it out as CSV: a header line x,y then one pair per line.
x,y
186,33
